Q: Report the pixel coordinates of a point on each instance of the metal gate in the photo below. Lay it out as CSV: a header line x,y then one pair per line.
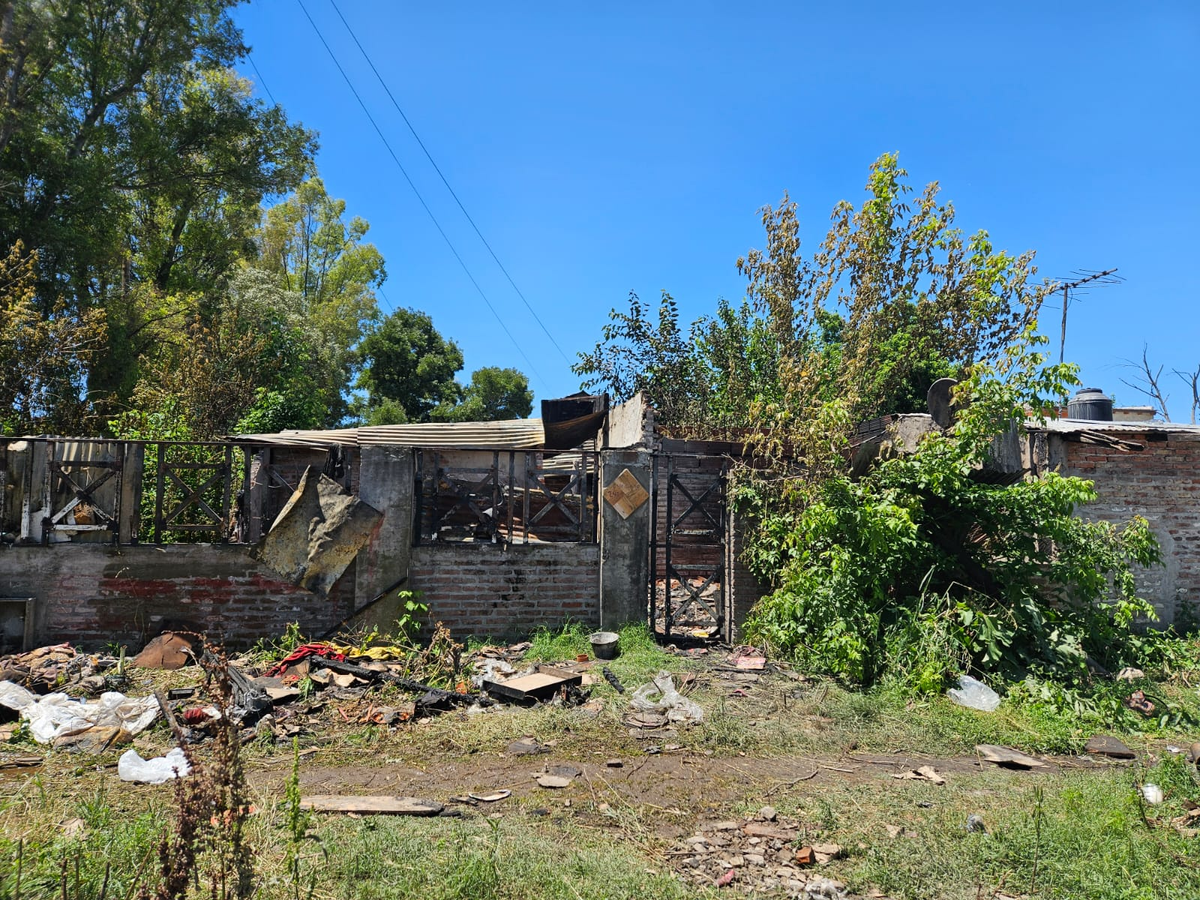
x,y
689,535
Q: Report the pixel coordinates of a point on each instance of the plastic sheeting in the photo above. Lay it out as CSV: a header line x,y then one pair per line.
x,y
660,696
160,769
57,716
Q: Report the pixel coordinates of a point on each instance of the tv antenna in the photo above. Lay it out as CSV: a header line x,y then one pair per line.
x,y
1082,278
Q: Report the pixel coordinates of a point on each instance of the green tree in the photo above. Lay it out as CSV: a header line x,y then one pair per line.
x,y
659,358
317,256
915,297
408,368
494,394
139,161
42,358
921,568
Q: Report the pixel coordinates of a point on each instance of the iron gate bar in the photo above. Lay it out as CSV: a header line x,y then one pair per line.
x,y
83,493
669,619
512,459
525,502
556,499
695,593
665,531
195,496
463,497
696,504
653,542
495,493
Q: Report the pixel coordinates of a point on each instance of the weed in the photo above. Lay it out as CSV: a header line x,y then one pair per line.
x,y
297,824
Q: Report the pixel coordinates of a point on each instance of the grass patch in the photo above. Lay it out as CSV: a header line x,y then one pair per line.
x,y
1070,836
368,859
640,656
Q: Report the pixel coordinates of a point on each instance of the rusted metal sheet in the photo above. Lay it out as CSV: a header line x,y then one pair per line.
x,y
517,434
318,533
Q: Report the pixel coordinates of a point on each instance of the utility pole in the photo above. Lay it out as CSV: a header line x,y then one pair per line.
x,y
1082,277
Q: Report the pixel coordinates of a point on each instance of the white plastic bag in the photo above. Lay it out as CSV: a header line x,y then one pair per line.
x,y
677,707
57,715
973,693
160,769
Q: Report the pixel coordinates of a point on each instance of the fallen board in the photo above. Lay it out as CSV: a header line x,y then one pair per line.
x,y
371,806
1008,757
541,685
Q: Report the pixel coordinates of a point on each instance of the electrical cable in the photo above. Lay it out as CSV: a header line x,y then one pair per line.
x,y
437,169
262,81
420,199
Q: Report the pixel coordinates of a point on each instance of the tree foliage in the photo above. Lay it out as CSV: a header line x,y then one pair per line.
x,y
408,374
43,358
922,567
408,362
494,395
136,161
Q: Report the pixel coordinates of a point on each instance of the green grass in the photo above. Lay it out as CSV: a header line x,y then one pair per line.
x,y
367,859
639,659
1072,836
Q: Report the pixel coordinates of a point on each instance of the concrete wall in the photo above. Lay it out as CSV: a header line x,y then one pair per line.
x,y
91,594
1162,483
629,424
386,482
489,590
624,544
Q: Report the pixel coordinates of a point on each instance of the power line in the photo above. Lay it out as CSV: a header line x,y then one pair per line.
x,y
262,81
420,199
437,169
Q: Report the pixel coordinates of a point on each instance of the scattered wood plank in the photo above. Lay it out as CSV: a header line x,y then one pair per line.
x,y
371,806
1008,757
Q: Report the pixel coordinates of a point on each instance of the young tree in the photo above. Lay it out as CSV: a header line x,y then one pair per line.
x,y
307,245
916,297
655,357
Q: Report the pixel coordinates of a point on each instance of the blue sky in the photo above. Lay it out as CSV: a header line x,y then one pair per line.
x,y
630,148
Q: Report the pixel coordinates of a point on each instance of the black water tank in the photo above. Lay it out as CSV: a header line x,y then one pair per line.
x,y
1090,404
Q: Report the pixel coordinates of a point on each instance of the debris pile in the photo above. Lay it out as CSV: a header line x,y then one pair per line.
x,y
764,853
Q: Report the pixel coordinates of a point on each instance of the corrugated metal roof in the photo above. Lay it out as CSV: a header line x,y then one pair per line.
x,y
1073,426
517,434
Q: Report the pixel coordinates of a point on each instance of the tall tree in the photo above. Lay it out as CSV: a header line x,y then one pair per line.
x,y
42,358
132,156
307,244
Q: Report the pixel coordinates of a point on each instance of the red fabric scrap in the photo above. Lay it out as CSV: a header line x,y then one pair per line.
x,y
302,652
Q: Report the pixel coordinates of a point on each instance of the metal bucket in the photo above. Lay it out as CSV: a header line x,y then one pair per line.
x,y
604,644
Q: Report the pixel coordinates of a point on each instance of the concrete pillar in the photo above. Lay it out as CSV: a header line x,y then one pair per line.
x,y
624,543
386,482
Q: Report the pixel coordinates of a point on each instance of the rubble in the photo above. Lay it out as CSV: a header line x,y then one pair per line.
x,y
758,855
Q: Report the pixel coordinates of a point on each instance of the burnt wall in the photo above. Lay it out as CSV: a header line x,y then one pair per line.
x,y
488,590
93,594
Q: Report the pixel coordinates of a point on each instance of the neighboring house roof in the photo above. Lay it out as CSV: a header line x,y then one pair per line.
x,y
515,434
1077,426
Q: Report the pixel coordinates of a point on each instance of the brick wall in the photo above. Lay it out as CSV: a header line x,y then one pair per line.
x,y
487,590
745,589
1162,483
91,595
